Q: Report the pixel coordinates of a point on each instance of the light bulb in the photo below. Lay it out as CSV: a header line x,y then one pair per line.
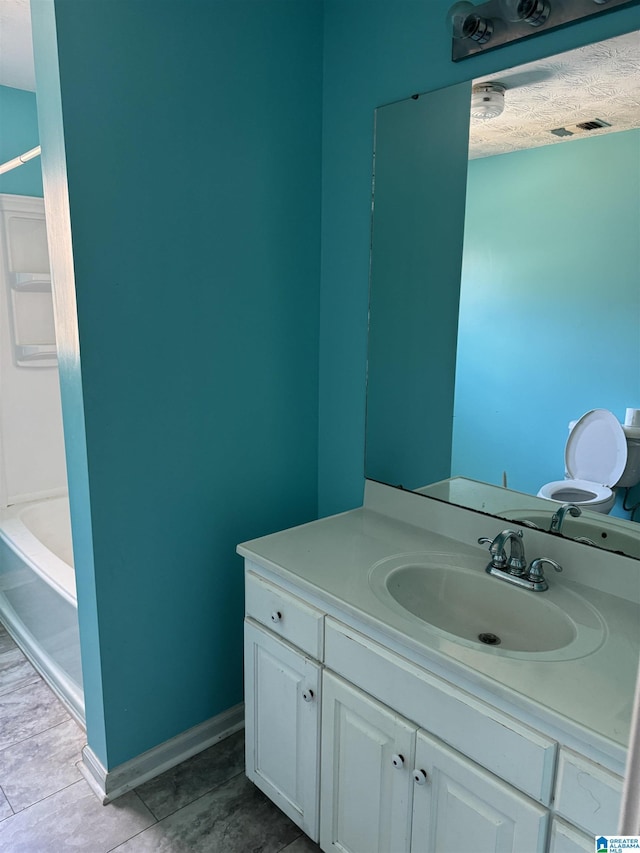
x,y
533,12
465,23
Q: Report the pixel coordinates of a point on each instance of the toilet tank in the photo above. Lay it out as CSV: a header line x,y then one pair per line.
x,y
631,474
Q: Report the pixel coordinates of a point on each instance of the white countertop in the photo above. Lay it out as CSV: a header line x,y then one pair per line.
x,y
332,558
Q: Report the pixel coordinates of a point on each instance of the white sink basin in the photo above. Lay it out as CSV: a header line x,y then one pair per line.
x,y
474,608
610,533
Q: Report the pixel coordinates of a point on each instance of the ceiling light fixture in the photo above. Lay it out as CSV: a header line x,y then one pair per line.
x,y
487,100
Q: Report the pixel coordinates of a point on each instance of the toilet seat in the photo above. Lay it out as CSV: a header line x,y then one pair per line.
x,y
580,492
595,458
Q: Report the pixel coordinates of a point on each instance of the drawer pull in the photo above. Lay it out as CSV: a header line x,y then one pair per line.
x,y
276,616
419,777
398,761
308,695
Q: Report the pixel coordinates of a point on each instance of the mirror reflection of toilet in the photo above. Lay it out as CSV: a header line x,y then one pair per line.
x,y
600,454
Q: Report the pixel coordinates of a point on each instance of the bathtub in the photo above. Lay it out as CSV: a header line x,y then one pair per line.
x,y
38,593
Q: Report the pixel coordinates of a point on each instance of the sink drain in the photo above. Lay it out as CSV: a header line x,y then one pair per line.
x,y
489,639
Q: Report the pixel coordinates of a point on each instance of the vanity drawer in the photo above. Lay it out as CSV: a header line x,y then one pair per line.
x,y
491,738
284,614
567,839
587,795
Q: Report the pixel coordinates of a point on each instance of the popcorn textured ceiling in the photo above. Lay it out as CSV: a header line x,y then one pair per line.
x,y
600,81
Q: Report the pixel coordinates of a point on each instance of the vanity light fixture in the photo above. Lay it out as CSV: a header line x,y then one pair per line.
x,y
478,27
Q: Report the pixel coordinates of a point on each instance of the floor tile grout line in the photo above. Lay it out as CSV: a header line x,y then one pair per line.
x,y
135,834
10,659
11,690
133,791
37,678
11,650
131,837
8,803
194,800
46,797
156,821
289,843
33,734
32,680
184,806
37,734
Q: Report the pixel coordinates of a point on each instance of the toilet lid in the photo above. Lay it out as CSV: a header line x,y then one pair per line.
x,y
596,449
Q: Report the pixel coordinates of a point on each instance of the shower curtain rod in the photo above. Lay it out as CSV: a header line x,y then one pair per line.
x,y
20,160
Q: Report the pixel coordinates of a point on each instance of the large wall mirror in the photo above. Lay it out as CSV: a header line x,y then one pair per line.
x,y
505,287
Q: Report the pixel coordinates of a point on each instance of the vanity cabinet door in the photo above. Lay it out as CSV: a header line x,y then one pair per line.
x,y
282,725
367,762
458,806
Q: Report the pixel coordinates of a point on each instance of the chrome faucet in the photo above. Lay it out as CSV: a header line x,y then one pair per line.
x,y
558,516
515,563
514,567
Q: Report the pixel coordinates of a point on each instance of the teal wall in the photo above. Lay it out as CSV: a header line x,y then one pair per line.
x,y
206,409
378,51
549,305
193,156
19,133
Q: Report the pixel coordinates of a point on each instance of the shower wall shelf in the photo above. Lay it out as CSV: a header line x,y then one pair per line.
x,y
32,323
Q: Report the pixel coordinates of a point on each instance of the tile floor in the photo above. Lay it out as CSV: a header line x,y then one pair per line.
x,y
205,805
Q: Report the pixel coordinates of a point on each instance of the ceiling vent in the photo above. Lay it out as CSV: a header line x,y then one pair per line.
x,y
594,124
581,127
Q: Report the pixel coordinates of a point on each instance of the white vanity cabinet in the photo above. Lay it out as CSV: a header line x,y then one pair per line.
x,y
388,786
282,700
371,751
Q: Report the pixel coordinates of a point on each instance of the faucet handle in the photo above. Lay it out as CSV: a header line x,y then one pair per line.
x,y
536,573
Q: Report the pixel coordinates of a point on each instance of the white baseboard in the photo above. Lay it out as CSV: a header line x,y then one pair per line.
x,y
109,784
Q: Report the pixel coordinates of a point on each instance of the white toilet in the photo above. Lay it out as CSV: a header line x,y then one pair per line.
x,y
600,454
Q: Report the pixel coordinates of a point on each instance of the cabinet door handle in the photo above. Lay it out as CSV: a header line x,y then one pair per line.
x,y
398,761
308,694
420,777
276,616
